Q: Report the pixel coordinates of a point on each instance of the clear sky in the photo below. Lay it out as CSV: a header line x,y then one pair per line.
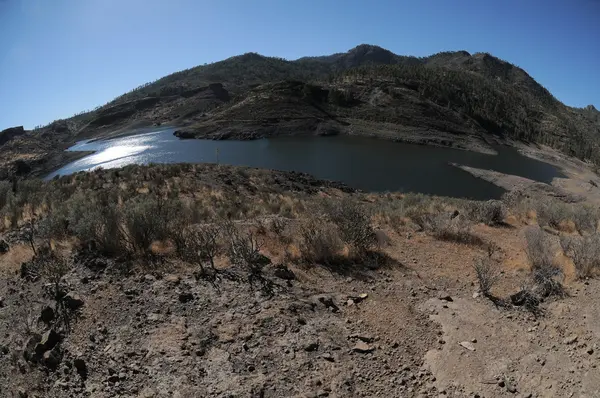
x,y
59,57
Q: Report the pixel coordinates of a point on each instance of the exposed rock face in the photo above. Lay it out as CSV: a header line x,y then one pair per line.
x,y
10,133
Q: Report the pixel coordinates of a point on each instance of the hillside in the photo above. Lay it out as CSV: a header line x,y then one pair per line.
x,y
204,280
450,98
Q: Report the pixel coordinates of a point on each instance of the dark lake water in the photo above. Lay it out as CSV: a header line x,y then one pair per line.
x,y
363,163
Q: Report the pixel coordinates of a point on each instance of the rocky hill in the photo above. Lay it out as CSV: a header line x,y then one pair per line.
x,y
450,98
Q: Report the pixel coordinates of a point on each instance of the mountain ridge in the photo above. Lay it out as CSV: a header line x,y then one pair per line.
x,y
451,98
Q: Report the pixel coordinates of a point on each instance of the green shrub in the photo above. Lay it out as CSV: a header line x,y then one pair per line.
x,y
148,219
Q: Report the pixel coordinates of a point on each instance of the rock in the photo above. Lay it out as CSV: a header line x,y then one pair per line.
x,y
173,279
327,301
51,359
468,345
283,272
29,348
186,297
511,388
590,351
328,357
22,393
113,378
73,301
4,246
81,367
350,303
362,347
571,339
312,346
48,341
47,315
476,294
10,133
445,297
1,301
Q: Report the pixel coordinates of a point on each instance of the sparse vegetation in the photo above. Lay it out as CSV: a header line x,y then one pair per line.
x,y
487,271
199,245
354,225
445,226
544,269
585,253
320,242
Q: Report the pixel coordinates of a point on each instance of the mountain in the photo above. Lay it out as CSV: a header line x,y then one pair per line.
x,y
591,113
451,98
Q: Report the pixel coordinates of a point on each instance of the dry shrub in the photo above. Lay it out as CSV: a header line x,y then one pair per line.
x,y
243,249
552,212
320,242
585,253
586,218
199,245
445,226
487,271
354,226
541,254
146,220
491,212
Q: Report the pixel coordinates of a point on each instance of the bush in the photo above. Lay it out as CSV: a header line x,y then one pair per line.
x,y
96,223
488,272
320,242
552,212
199,244
354,226
243,250
55,225
147,220
585,218
491,212
585,253
445,226
5,193
539,248
544,269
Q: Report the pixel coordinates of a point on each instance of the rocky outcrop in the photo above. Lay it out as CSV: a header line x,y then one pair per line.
x,y
10,133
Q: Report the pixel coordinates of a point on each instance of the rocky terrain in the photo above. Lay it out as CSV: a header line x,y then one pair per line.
x,y
356,295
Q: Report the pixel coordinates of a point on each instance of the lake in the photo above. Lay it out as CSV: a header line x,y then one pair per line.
x,y
364,163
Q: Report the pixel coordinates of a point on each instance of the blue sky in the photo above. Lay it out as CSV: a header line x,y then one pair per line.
x,y
59,57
